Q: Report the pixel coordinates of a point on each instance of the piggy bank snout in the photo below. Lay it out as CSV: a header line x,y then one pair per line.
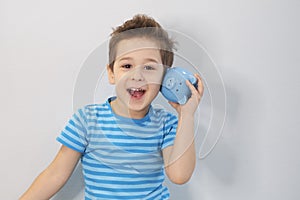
x,y
170,83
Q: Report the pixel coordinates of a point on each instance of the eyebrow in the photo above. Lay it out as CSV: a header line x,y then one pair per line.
x,y
147,59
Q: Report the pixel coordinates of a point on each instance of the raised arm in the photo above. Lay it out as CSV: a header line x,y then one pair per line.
x,y
180,158
51,180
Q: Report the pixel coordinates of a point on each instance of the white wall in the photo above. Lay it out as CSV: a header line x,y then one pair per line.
x,y
255,45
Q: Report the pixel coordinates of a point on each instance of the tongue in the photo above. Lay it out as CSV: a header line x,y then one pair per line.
x,y
137,94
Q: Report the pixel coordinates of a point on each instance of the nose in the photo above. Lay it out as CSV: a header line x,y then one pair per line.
x,y
137,74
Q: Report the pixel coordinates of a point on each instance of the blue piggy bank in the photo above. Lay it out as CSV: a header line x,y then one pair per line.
x,y
173,86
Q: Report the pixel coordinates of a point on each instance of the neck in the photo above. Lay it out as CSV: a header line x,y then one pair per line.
x,y
128,113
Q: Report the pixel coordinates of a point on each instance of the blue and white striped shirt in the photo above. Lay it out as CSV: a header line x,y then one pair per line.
x,y
121,157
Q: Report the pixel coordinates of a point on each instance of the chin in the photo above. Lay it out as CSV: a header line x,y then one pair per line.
x,y
139,106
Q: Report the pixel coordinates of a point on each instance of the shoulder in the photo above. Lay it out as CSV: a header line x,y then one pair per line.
x,y
162,113
92,110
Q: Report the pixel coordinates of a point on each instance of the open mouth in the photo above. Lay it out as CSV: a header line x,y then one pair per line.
x,y
136,92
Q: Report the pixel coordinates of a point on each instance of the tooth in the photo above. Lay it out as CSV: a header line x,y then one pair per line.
x,y
136,89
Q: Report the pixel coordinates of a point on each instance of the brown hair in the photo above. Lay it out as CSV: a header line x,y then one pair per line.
x,y
142,26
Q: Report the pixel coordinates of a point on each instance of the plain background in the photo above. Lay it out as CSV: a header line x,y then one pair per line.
x,y
255,45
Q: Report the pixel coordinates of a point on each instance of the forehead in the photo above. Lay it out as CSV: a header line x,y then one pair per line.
x,y
138,47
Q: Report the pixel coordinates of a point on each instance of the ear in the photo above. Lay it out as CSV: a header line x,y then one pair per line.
x,y
111,76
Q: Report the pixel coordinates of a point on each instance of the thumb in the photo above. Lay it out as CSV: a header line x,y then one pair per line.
x,y
173,104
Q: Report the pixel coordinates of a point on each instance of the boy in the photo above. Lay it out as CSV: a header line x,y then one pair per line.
x,y
125,145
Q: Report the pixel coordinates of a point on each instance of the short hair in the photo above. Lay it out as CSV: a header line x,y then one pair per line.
x,y
142,26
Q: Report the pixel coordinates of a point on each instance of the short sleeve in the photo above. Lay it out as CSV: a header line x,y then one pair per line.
x,y
74,133
169,130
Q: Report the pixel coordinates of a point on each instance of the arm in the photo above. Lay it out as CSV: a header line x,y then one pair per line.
x,y
180,158
54,176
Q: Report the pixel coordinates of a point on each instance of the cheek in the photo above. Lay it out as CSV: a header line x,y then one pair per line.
x,y
121,81
155,78
154,87
120,76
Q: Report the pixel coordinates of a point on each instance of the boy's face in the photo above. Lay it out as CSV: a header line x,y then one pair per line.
x,y
137,74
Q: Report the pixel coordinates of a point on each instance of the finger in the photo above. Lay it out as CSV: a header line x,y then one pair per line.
x,y
194,91
191,86
200,84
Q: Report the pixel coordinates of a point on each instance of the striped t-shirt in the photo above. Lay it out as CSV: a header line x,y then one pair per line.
x,y
121,157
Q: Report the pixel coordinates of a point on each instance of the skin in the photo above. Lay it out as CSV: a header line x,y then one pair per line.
x,y
137,66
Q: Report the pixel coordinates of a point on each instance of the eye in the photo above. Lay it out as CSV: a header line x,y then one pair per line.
x,y
149,67
126,66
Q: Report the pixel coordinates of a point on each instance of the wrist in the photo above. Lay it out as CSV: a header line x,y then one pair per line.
x,y
186,115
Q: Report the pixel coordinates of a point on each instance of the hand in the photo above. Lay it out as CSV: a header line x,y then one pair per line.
x,y
191,105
